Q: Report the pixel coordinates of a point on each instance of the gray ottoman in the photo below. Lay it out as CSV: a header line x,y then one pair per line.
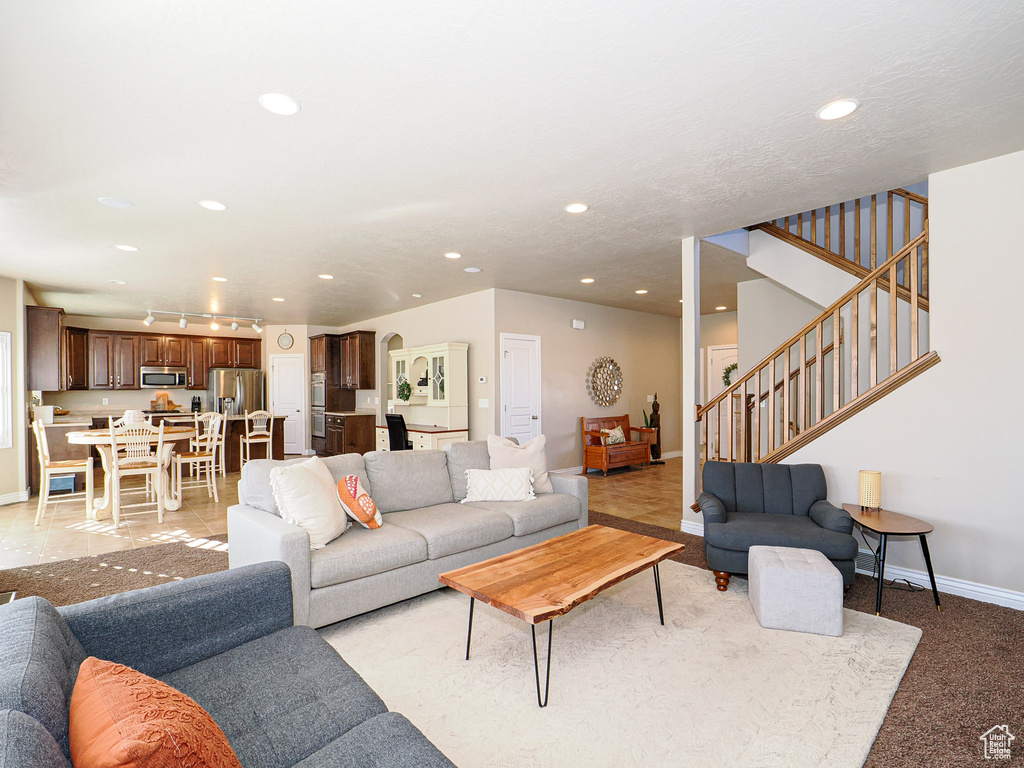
x,y
795,589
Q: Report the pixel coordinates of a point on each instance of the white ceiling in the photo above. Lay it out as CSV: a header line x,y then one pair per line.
x,y
460,125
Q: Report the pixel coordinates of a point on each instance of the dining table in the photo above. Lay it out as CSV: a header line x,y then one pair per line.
x,y
102,441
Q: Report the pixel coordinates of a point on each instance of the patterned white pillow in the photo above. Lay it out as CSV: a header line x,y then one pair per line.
x,y
305,494
613,436
499,485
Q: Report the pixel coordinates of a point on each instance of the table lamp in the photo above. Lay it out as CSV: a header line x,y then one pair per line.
x,y
870,489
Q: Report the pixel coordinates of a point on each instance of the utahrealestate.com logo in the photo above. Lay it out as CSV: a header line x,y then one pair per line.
x,y
997,742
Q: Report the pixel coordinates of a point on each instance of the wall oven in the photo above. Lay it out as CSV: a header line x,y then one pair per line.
x,y
319,422
157,377
318,390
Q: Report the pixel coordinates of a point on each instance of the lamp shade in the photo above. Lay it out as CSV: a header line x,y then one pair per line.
x,y
870,488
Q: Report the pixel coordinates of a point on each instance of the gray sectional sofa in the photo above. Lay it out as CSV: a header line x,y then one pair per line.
x,y
426,530
280,693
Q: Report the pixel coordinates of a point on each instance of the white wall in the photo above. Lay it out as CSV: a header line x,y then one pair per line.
x,y
768,314
645,346
947,455
810,277
469,319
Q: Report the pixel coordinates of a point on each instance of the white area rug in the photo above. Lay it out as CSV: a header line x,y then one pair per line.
x,y
710,688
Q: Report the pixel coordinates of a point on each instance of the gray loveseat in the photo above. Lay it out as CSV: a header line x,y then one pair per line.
x,y
426,530
775,505
279,692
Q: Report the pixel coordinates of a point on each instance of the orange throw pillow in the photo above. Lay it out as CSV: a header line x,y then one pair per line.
x,y
357,502
121,717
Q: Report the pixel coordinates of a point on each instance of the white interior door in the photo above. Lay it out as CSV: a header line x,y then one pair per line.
x,y
288,378
521,416
719,358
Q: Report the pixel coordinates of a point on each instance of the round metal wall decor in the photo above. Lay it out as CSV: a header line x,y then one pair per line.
x,y
604,381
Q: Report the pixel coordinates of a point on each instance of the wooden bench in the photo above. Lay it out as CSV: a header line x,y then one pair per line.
x,y
605,457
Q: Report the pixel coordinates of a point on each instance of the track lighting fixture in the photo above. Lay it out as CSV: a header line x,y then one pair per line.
x,y
214,325
149,319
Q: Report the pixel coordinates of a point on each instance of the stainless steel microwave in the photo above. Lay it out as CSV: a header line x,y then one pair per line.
x,y
159,377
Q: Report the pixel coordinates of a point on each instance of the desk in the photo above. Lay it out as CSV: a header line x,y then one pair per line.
x,y
887,524
424,437
101,439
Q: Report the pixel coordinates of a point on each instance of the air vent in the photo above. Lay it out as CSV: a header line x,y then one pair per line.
x,y
865,562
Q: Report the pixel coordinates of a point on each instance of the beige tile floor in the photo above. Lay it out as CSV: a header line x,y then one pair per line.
x,y
64,532
650,495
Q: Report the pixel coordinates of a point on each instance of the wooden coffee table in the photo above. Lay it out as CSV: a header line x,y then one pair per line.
x,y
886,524
549,579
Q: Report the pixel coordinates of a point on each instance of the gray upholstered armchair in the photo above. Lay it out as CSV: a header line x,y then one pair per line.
x,y
776,505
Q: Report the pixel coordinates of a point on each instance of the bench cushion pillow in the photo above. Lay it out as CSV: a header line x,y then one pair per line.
x,y
362,552
546,511
463,456
384,741
452,528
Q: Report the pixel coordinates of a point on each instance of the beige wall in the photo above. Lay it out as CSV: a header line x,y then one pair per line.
x,y
767,315
946,456
12,460
645,346
468,319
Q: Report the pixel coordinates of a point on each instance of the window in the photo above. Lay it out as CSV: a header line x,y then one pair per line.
x,y
6,392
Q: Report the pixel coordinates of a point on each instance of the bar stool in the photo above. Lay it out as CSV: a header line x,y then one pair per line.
x,y
50,468
204,458
261,432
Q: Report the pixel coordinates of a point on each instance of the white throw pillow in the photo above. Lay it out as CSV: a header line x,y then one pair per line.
x,y
507,455
499,485
306,496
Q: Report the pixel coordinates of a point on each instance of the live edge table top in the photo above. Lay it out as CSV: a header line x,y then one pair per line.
x,y
549,579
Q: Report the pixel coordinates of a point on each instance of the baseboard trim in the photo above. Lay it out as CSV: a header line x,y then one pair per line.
x,y
14,498
692,526
984,593
579,470
949,585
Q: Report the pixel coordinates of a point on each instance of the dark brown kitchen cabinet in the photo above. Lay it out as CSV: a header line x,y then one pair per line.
x,y
113,360
195,362
101,353
319,445
151,350
357,360
247,353
43,331
221,353
174,350
126,361
353,433
318,354
76,358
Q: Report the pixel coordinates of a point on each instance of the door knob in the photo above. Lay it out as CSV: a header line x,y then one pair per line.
x,y
534,418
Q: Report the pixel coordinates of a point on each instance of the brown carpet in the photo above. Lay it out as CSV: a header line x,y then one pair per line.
x,y
82,578
966,676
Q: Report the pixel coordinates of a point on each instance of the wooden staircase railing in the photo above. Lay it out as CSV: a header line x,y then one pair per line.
x,y
856,236
866,344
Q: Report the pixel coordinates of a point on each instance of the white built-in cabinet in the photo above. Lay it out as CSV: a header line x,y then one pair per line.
x,y
439,377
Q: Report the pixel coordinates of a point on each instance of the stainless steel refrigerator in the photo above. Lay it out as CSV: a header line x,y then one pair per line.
x,y
236,390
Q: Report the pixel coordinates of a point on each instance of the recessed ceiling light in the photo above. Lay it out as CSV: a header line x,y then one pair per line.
x,y
836,109
279,104
116,202
472,269
129,248
213,205
587,280
220,279
642,291
119,282
277,298
326,277
417,295
680,301
719,309
453,255
576,207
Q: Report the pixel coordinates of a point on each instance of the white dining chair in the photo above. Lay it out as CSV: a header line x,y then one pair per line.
x,y
132,454
48,468
202,424
203,459
258,430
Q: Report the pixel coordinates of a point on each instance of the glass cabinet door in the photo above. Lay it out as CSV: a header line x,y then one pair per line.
x,y
437,380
